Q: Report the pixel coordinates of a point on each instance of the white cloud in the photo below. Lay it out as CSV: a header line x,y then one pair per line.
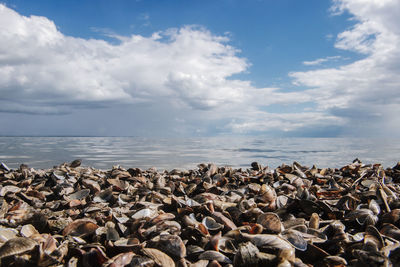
x,y
319,61
39,62
43,71
366,93
187,72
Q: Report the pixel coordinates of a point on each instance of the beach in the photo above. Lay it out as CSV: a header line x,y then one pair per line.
x,y
292,215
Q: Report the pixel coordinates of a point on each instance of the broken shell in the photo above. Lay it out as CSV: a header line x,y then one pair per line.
x,y
17,246
79,195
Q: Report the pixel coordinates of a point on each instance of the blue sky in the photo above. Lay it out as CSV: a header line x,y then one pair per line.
x,y
210,67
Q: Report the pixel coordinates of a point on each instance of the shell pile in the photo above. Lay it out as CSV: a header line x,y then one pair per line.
x,y
293,215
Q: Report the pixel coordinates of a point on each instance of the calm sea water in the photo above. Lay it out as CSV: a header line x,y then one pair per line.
x,y
104,152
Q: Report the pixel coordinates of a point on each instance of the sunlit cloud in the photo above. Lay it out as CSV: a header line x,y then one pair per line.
x,y
189,72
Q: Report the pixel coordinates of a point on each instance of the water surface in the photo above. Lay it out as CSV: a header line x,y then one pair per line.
x,y
104,152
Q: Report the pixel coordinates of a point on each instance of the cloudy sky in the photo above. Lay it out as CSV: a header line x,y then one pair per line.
x,y
200,67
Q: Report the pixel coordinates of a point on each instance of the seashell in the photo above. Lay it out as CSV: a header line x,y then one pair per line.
x,y
390,230
200,263
193,251
247,255
163,217
121,260
76,163
79,195
3,166
17,246
286,256
7,234
80,227
270,222
211,224
314,236
144,214
159,257
296,239
392,217
117,184
28,230
334,261
281,201
9,189
59,224
293,222
111,232
141,261
260,240
94,257
359,215
49,245
372,239
170,244
127,243
314,221
58,175
312,254
267,194
78,240
374,206
219,217
214,255
92,185
104,196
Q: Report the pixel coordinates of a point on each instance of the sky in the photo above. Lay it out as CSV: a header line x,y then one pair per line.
x,y
180,68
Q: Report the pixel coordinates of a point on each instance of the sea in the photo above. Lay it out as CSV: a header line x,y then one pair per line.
x,y
187,153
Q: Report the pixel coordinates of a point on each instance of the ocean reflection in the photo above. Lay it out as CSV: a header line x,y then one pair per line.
x,y
104,152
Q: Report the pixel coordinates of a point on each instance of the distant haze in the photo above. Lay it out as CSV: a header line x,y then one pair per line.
x,y
205,68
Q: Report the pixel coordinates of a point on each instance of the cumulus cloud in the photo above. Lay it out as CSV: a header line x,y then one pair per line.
x,y
43,71
39,63
187,72
365,93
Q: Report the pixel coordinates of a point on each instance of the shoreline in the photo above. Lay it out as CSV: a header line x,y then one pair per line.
x,y
72,215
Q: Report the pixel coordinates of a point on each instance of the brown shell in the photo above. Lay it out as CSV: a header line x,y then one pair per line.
x,y
17,246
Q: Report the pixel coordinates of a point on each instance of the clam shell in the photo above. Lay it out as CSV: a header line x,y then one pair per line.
x,y
121,259
171,244
271,222
260,240
211,224
28,230
7,234
141,261
144,214
247,255
296,239
17,246
159,257
214,255
81,227
79,195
